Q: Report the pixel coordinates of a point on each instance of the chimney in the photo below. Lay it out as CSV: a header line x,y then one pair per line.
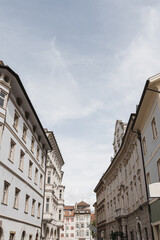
x,y
1,63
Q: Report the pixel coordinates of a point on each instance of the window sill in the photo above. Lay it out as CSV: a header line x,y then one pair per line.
x,y
11,160
30,177
15,208
4,203
32,215
25,212
20,169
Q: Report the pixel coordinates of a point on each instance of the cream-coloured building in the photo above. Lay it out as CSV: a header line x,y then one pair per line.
x,y
23,151
54,192
124,192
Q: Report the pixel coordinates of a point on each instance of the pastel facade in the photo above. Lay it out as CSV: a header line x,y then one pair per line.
x,y
54,192
23,151
147,123
77,220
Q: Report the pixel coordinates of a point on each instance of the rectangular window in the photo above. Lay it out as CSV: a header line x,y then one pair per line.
x,y
30,237
154,128
5,192
11,150
72,227
16,198
2,99
72,219
16,120
40,181
67,235
47,204
60,215
77,226
24,135
36,176
30,170
158,167
144,145
33,207
21,161
42,159
148,178
12,236
26,204
38,152
49,177
60,194
32,144
72,235
39,210
146,233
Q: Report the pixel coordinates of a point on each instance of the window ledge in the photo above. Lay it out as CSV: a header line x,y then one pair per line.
x,y
11,160
20,169
4,203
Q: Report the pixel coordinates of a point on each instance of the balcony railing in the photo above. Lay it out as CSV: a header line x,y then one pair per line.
x,y
121,212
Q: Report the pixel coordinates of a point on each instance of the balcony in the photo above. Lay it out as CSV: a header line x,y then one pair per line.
x,y
121,212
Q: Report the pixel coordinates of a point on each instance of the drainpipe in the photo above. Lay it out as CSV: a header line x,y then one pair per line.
x,y
145,179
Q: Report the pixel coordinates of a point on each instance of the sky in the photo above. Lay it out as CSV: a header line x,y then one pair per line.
x,y
84,64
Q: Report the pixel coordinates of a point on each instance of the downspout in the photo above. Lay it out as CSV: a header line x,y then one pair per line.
x,y
145,179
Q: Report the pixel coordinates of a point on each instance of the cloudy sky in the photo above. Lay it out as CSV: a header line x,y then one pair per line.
x,y
84,64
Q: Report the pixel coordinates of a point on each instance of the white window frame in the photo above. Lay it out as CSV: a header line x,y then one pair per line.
x,y
26,207
11,150
16,198
16,120
21,160
5,192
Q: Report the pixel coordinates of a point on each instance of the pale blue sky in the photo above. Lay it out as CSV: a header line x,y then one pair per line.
x,y
84,64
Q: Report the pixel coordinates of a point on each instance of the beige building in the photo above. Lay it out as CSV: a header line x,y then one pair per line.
x,y
121,190
54,192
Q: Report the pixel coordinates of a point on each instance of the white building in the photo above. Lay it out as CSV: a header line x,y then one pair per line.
x,y
76,222
23,148
54,192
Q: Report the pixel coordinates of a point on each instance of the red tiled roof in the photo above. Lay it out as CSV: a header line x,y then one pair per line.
x,y
83,204
68,207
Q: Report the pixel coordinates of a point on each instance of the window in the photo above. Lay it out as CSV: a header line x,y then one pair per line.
x,y
49,177
72,219
67,227
24,135
87,233
144,145
72,235
12,236
32,144
16,198
16,120
23,235
5,192
154,128
36,176
82,225
40,181
47,204
39,210
42,159
60,215
148,178
77,226
30,170
2,99
146,233
38,152
26,204
33,207
67,235
30,237
62,235
158,166
21,161
72,227
11,150
60,194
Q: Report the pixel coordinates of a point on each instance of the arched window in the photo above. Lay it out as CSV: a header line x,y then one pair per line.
x,y
23,235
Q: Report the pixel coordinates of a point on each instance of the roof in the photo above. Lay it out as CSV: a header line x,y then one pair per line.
x,y
20,88
83,204
68,207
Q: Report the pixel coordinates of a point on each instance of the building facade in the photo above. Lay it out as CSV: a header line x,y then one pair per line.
x,y
23,151
125,193
54,192
77,220
147,124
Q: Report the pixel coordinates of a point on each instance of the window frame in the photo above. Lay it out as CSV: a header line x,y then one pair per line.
x,y
16,198
5,192
11,150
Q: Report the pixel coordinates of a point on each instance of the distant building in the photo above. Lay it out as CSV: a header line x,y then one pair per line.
x,y
23,151
54,192
77,220
147,124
